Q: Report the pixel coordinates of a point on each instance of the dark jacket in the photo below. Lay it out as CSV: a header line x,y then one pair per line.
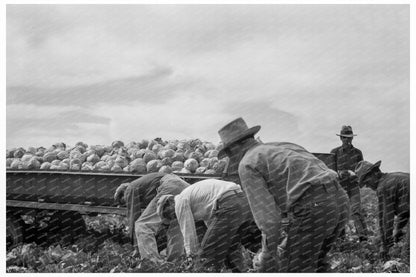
x,y
347,159
393,200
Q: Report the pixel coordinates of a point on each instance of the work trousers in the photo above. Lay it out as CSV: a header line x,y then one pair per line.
x,y
316,220
393,202
149,223
230,222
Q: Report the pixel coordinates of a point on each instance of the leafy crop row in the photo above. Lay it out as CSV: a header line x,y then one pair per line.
x,y
105,248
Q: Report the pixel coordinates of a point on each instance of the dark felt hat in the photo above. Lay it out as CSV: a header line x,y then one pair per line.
x,y
363,168
233,132
346,131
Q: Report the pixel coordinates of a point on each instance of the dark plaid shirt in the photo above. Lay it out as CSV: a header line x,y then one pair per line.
x,y
393,199
138,195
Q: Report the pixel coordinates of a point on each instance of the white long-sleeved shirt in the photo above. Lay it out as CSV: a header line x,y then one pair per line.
x,y
197,202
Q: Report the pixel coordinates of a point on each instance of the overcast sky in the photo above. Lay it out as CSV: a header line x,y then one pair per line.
x,y
97,73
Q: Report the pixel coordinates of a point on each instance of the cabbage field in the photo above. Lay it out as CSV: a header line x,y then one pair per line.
x,y
104,245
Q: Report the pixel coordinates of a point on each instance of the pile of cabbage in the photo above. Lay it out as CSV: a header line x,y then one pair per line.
x,y
175,156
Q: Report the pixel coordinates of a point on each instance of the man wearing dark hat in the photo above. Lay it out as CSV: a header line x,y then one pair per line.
x,y
143,193
282,179
347,157
393,200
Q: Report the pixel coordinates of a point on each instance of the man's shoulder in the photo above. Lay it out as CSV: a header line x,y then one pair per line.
x,y
390,181
402,176
357,150
335,150
257,149
274,147
352,149
252,154
263,150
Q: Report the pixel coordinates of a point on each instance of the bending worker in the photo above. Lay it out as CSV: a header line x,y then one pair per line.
x,y
393,200
224,208
283,178
143,193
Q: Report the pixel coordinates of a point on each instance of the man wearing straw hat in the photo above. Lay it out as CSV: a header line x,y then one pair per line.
x,y
393,200
285,179
347,157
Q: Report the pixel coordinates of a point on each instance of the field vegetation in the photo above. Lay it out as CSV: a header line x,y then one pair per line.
x,y
105,248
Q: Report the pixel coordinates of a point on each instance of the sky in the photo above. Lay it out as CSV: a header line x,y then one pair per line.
x,y
99,73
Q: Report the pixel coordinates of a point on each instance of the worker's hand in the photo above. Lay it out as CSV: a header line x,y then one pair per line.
x,y
353,178
189,259
281,248
118,195
136,253
266,263
351,173
194,261
343,174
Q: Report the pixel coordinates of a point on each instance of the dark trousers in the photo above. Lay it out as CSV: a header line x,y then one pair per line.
x,y
222,241
316,220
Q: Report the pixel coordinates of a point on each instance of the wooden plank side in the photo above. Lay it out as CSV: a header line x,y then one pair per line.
x,y
94,188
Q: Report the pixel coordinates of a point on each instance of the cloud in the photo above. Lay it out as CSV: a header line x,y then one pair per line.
x,y
35,23
276,124
37,125
182,117
152,88
34,135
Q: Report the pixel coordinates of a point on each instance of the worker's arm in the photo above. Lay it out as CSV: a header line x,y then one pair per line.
x,y
120,192
389,203
187,225
265,212
386,220
133,205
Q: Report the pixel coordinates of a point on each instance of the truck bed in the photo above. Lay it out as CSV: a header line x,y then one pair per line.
x,y
71,187
84,191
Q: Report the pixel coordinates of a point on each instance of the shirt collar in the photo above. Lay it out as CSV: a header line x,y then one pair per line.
x,y
347,148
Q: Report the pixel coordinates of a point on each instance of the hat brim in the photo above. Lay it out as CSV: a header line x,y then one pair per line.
x,y
376,165
347,136
249,132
